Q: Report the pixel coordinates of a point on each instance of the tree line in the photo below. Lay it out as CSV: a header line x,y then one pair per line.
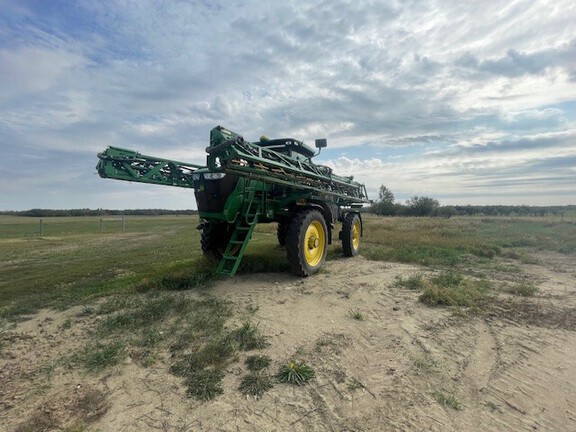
x,y
386,205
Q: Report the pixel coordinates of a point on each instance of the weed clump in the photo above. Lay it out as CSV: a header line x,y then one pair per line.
x,y
354,385
448,400
357,315
452,289
448,279
522,289
414,282
424,363
258,362
466,295
98,356
204,384
255,384
295,372
212,354
203,368
249,337
133,312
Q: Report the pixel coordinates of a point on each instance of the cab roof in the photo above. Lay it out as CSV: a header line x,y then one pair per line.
x,y
288,144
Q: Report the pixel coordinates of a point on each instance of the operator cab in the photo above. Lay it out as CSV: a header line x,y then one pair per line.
x,y
291,147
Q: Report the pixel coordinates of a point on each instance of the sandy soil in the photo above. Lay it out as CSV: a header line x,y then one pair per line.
x,y
513,368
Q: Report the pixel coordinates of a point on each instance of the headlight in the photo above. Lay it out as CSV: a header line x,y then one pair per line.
x,y
196,176
213,176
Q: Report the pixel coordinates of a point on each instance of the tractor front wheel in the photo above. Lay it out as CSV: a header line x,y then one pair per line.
x,y
350,235
306,242
215,237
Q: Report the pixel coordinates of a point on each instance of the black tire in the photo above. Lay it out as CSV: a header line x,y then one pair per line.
x,y
306,242
350,235
214,238
282,232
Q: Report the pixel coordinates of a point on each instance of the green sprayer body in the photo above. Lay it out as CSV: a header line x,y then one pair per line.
x,y
244,183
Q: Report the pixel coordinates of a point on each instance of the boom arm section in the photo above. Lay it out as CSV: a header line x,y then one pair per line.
x,y
236,156
122,164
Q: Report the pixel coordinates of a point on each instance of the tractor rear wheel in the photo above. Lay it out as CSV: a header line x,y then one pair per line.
x,y
214,238
306,242
350,236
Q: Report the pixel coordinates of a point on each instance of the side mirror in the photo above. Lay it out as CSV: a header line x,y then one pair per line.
x,y
321,143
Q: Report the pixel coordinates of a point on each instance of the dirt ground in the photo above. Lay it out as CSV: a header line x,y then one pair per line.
x,y
512,368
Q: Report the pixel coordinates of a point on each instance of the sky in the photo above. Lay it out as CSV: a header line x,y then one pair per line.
x,y
466,102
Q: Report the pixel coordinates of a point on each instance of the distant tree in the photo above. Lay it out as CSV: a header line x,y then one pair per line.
x,y
384,205
385,195
445,211
422,206
400,209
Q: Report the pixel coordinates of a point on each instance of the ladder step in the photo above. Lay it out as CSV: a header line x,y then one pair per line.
x,y
236,247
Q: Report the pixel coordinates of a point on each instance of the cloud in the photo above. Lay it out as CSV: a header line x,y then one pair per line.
x,y
426,98
516,64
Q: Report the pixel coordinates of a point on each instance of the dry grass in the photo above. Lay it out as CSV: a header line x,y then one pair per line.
x,y
72,413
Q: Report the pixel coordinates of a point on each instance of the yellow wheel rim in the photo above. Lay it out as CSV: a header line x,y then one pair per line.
x,y
356,235
314,243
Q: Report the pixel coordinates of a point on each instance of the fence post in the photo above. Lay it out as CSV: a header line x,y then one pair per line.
x,y
123,224
41,228
101,225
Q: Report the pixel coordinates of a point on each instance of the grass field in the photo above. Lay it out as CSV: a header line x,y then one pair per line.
x,y
74,260
130,283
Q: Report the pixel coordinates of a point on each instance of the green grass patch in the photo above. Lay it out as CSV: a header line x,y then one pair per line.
x,y
447,242
192,330
427,241
203,365
74,261
453,289
97,356
521,289
199,273
413,282
151,337
140,314
212,354
540,234
469,293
